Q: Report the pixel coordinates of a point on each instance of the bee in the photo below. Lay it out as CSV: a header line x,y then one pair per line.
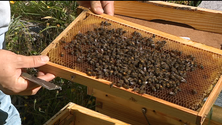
x,y
124,32
142,91
183,80
91,62
72,53
106,74
192,68
62,54
136,89
153,88
88,69
111,72
97,65
139,81
99,76
126,86
175,91
93,73
177,83
152,45
115,72
126,81
143,87
168,85
119,83
79,60
66,47
71,45
74,41
157,86
76,53
161,87
131,82
89,73
106,23
179,89
180,53
111,84
194,91
172,93
72,77
105,66
63,41
201,66
187,68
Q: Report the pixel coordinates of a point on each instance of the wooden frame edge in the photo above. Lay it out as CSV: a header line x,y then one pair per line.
x,y
63,111
199,18
104,85
76,108
209,102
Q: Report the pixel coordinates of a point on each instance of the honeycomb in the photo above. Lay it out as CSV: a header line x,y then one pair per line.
x,y
198,84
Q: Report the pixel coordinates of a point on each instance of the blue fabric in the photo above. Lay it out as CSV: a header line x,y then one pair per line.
x,y
2,38
5,13
9,115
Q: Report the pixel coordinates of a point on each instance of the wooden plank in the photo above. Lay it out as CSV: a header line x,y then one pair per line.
x,y
89,91
59,116
209,102
120,112
86,116
78,115
131,112
103,85
83,119
199,18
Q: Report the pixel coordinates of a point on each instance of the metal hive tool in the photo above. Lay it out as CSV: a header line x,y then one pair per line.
x,y
199,80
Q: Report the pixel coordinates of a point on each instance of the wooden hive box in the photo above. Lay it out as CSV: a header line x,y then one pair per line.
x,y
73,114
124,104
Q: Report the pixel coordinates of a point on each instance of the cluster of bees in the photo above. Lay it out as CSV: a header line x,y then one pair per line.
x,y
137,62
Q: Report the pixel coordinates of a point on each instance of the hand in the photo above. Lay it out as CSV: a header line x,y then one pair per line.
x,y
11,82
99,7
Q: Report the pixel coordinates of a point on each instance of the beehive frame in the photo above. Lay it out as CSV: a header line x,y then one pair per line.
x,y
152,102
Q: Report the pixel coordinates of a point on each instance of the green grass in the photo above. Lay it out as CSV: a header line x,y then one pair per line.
x,y
51,18
45,103
61,14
